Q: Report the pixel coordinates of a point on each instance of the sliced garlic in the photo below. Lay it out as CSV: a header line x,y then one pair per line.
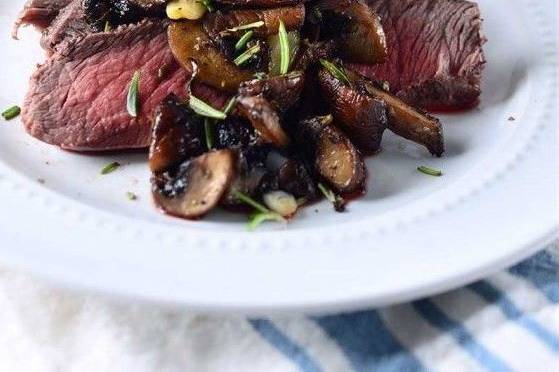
x,y
186,9
281,202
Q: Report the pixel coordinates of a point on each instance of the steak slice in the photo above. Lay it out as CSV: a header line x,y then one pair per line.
x,y
69,24
77,98
435,52
39,13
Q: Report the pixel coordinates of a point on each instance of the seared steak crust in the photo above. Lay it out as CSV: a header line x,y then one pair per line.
x,y
435,52
77,99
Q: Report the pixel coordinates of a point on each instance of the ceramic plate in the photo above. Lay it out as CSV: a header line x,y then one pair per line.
x,y
411,236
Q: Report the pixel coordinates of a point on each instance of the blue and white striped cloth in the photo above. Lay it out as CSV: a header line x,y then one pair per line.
x,y
507,322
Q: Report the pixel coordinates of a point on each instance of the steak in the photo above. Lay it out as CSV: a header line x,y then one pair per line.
x,y
69,24
39,13
77,98
435,52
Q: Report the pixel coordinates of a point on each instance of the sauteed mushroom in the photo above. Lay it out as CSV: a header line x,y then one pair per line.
x,y
283,92
363,117
263,117
411,123
189,41
196,186
356,27
177,135
229,23
335,158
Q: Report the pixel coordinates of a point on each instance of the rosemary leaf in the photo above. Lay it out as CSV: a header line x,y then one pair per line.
x,y
109,168
247,55
230,105
247,26
209,133
430,171
132,101
11,113
250,201
285,56
257,219
337,72
203,109
244,40
336,200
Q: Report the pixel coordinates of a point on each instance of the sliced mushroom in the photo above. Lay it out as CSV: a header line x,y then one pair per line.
x,y
197,186
177,135
188,41
223,23
411,123
282,91
335,158
362,116
263,117
356,27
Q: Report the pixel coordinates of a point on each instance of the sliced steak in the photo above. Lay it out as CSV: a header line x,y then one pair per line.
x,y
435,52
69,24
39,13
77,99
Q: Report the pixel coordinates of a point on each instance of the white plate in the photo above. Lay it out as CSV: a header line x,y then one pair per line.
x,y
412,235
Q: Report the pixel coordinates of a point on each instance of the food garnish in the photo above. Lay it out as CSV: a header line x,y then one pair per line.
x,y
204,109
109,168
132,100
261,215
285,55
11,113
430,171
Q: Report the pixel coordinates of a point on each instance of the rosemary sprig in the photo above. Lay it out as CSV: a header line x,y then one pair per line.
x,y
132,101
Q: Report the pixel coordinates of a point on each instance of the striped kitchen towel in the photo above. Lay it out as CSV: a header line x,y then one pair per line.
x,y
507,322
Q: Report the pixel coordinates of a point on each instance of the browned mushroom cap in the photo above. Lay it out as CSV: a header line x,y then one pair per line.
x,y
198,185
177,135
282,91
411,123
363,117
263,117
220,22
357,28
335,158
188,41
